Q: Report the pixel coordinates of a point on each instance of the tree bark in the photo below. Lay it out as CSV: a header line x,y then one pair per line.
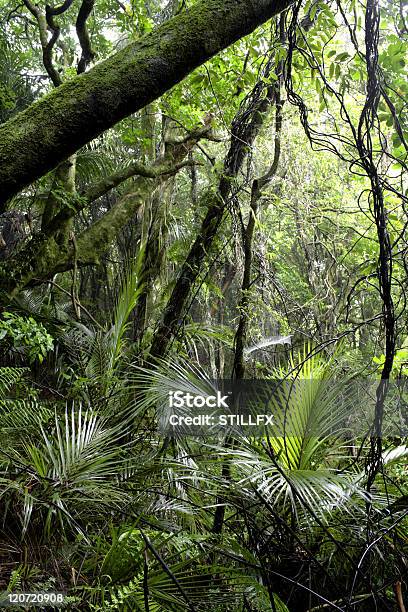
x,y
45,254
274,95
35,141
245,128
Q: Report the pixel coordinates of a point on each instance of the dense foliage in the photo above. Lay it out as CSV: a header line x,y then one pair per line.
x,y
249,223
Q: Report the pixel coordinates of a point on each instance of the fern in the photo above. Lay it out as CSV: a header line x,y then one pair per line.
x,y
9,377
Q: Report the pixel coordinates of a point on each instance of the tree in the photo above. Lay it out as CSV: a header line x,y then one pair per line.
x,y
81,109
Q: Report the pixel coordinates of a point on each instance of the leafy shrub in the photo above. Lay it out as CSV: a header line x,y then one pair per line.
x,y
25,336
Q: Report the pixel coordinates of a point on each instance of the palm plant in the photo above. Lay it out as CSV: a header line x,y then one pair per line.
x,y
296,464
294,489
64,465
100,354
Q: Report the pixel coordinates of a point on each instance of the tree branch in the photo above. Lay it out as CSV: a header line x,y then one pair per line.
x,y
82,108
44,255
44,22
169,164
83,36
49,47
135,169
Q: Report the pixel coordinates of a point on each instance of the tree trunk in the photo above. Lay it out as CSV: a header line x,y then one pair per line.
x,y
258,184
245,128
45,255
35,141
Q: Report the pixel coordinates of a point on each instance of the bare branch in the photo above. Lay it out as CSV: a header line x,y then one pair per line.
x,y
83,36
60,9
45,22
48,49
135,169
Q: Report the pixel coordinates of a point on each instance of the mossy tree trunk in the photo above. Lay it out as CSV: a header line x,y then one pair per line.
x,y
274,96
45,254
35,141
244,130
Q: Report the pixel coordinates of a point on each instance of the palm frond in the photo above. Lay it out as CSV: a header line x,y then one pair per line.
x,y
10,377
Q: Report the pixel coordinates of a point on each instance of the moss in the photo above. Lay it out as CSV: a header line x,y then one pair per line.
x,y
35,260
95,241
82,108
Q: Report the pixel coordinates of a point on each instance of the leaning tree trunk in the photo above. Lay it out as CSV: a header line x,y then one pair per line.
x,y
245,127
248,235
35,141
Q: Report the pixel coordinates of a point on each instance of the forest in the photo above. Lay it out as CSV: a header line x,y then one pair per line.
x,y
203,225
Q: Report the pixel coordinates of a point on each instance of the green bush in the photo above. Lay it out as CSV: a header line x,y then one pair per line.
x,y
25,336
